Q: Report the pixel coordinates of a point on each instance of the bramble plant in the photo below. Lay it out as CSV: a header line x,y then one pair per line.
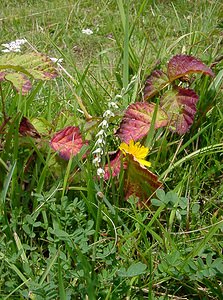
x,y
174,109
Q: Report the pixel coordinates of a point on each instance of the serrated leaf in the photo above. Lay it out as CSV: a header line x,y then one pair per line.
x,y
140,181
20,82
37,64
137,119
113,168
155,83
68,142
16,67
42,125
27,129
180,106
181,65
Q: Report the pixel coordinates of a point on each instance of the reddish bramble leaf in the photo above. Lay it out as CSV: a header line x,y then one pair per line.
x,y
68,142
181,65
113,168
137,119
140,181
18,66
27,129
180,105
155,83
20,82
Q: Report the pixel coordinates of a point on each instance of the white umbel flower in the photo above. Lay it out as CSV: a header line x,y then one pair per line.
x,y
87,31
14,46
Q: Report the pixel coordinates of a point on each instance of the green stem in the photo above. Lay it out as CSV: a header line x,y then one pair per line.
x,y
78,99
3,104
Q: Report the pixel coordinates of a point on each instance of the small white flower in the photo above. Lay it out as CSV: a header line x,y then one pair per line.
x,y
103,124
101,133
100,172
112,105
6,50
87,31
108,114
98,151
118,97
6,45
96,160
20,41
100,141
56,60
14,46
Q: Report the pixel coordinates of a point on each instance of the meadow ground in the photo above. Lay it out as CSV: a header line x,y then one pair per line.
x,y
67,233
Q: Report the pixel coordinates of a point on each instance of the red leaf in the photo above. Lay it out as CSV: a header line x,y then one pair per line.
x,y
155,83
140,181
180,105
181,65
68,142
137,119
27,129
115,165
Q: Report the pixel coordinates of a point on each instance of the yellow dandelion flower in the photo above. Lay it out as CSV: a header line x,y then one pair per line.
x,y
137,150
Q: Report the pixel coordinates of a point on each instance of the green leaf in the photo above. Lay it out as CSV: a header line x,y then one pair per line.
x,y
20,82
161,195
209,260
195,208
156,202
218,264
135,269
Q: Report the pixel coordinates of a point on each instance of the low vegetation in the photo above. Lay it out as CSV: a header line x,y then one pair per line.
x,y
111,150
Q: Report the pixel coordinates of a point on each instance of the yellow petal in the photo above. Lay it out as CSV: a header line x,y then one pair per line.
x,y
144,162
137,150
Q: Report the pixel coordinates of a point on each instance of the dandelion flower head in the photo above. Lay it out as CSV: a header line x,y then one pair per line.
x,y
137,150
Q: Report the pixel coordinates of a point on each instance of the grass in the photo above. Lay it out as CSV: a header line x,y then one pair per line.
x,y
65,234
